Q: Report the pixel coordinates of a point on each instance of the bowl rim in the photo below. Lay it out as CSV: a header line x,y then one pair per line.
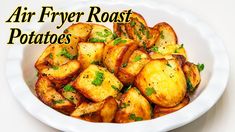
x,y
205,100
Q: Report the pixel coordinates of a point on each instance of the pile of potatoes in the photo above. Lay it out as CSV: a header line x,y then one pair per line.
x,y
131,74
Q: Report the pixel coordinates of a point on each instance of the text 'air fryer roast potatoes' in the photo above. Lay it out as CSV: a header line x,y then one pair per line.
x,y
132,73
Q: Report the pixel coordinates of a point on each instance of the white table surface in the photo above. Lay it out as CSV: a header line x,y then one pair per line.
x,y
219,14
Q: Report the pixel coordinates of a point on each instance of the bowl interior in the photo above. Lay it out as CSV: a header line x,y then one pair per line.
x,y
198,50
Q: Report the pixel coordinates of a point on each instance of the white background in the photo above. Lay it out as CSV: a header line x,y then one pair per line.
x,y
219,14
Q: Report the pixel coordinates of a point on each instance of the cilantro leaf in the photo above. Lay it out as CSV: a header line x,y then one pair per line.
x,y
132,23
69,88
137,58
124,105
115,88
99,77
135,118
64,52
149,91
154,49
55,67
96,40
200,67
119,40
162,35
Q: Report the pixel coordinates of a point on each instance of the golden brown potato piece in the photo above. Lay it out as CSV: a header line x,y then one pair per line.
x,y
133,107
161,111
145,36
48,95
90,53
69,92
162,82
103,111
79,30
97,83
100,34
129,70
192,75
165,50
42,62
167,34
117,52
62,74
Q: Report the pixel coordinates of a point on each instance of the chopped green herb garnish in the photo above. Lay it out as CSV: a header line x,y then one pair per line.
x,y
115,88
137,58
99,77
124,64
112,71
149,91
130,86
65,53
105,34
200,67
71,98
124,105
95,62
154,49
138,35
69,88
147,34
119,40
55,67
137,90
96,40
142,28
181,46
37,74
51,56
135,118
132,23
168,64
190,87
162,35
144,45
58,101
114,36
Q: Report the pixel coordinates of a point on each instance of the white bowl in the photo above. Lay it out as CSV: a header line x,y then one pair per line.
x,y
202,45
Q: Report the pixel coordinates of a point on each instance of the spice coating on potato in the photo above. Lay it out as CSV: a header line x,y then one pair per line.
x,y
97,83
162,82
133,107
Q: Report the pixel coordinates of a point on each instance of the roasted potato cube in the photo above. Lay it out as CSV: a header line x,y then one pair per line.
x,y
100,34
48,95
161,111
165,50
145,36
90,53
97,83
79,31
192,75
62,74
118,52
133,107
162,82
166,35
129,70
139,17
42,62
69,92
103,111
